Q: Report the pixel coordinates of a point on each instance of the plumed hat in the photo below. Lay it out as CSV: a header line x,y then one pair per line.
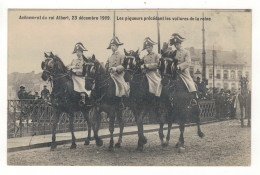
x,y
115,41
79,46
148,42
48,55
176,38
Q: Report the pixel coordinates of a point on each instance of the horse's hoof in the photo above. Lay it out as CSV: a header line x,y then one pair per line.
x,y
99,142
165,144
140,149
118,145
181,149
73,146
110,148
53,146
177,145
144,140
87,142
201,134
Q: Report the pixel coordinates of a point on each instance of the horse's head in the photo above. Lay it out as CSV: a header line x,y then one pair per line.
x,y
132,64
52,66
167,67
132,61
93,70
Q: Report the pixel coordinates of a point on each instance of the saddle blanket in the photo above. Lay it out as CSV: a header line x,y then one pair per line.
x,y
154,81
122,87
79,84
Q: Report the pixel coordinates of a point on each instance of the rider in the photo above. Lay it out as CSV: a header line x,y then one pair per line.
x,y
184,61
116,70
150,67
76,67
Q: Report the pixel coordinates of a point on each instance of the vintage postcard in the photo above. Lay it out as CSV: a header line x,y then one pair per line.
x,y
146,87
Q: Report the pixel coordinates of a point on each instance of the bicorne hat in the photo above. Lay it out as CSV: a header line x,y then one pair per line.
x,y
176,38
148,42
79,46
48,55
115,41
22,87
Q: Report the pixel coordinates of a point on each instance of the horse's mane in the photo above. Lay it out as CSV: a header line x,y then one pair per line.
x,y
102,69
61,65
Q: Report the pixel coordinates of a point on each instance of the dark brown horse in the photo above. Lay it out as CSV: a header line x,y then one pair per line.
x,y
180,105
142,102
245,101
106,100
65,99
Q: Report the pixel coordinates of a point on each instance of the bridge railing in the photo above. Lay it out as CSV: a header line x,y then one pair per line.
x,y
35,117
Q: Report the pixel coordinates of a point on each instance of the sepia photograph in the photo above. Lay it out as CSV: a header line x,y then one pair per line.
x,y
129,87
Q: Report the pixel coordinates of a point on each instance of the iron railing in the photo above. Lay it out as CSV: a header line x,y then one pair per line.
x,y
35,117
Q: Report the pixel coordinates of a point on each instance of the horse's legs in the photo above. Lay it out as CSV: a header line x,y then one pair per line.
x,y
180,144
169,132
121,126
111,129
87,117
242,115
200,133
54,126
95,118
71,126
161,135
141,138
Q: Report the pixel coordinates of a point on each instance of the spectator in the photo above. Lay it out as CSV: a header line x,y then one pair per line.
x,y
45,93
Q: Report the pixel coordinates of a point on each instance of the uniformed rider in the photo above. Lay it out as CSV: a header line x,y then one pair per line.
x,y
115,68
184,61
76,67
150,67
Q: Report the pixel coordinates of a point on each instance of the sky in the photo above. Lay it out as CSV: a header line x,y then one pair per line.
x,y
29,39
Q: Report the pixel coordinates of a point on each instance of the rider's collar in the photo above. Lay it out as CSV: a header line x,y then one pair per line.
x,y
150,53
80,58
115,53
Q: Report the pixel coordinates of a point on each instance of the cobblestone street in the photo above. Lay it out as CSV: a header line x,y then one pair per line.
x,y
225,144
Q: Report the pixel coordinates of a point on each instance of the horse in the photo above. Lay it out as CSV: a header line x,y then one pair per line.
x,y
180,106
141,101
245,102
65,99
106,100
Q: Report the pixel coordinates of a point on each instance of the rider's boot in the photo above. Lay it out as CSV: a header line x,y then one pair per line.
x,y
82,98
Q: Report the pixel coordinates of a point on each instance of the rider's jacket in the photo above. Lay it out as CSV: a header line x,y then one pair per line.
x,y
116,60
151,61
184,61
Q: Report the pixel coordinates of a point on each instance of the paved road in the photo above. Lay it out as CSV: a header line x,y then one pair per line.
x,y
225,144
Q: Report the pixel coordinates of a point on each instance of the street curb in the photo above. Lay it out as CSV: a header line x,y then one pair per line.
x,y
61,142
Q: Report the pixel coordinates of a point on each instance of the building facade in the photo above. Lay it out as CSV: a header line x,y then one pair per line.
x,y
227,69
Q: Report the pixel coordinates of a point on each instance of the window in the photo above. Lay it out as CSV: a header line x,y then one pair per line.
x,y
218,74
218,85
225,86
210,73
210,85
239,74
232,74
233,86
247,75
225,74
